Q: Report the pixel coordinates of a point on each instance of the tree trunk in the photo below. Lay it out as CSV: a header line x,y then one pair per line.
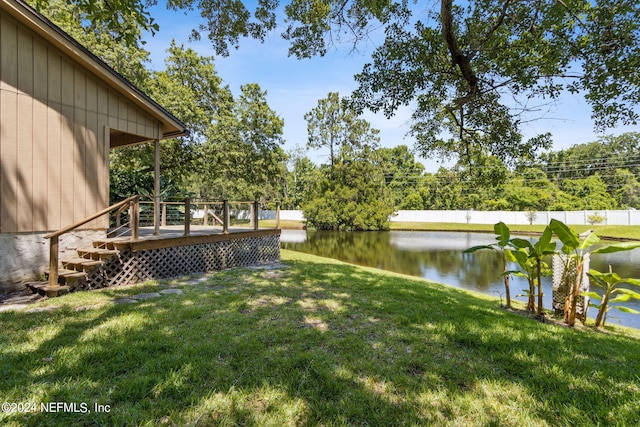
x,y
531,304
506,282
539,273
457,55
600,318
574,293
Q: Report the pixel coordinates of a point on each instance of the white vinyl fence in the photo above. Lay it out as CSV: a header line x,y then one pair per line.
x,y
628,217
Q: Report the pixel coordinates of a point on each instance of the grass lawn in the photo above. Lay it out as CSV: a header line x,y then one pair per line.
x,y
626,232
317,342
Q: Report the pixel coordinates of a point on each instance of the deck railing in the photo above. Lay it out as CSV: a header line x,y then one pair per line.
x,y
218,211
188,211
133,225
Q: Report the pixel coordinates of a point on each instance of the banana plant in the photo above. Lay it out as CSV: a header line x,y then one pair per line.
x,y
610,284
527,271
530,258
577,248
502,236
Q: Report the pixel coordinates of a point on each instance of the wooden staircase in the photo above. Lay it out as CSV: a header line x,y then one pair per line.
x,y
73,273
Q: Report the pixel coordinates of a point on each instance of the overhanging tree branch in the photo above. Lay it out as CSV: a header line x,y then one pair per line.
x,y
458,57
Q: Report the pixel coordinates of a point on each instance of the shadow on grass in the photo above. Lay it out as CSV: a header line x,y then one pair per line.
x,y
315,343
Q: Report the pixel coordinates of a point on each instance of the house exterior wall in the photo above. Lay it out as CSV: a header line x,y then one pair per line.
x,y
25,256
56,119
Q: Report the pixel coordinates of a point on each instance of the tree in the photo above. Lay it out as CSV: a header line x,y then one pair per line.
x,y
242,157
190,88
473,69
402,174
100,37
122,20
335,126
611,286
591,191
626,189
603,157
350,197
300,179
578,249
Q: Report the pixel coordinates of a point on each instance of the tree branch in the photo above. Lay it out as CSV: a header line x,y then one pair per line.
x,y
577,18
458,57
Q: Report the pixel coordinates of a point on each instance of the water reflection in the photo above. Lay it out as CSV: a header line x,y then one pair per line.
x,y
438,256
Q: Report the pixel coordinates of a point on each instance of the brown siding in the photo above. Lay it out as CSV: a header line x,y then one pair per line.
x,y
54,144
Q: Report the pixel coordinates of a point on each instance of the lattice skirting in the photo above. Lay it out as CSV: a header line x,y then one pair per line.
x,y
131,267
564,277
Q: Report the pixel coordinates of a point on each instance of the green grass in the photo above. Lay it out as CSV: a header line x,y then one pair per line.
x,y
318,342
604,231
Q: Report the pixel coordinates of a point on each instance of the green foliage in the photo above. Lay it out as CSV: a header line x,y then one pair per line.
x,y
591,191
301,175
121,20
401,173
611,286
577,248
595,218
461,65
242,157
333,125
530,258
350,197
503,236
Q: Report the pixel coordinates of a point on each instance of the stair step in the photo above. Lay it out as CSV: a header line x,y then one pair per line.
x,y
96,254
111,244
53,291
63,275
71,274
36,286
81,264
104,244
43,288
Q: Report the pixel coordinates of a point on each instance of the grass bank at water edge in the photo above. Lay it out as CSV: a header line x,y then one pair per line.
x,y
613,232
312,342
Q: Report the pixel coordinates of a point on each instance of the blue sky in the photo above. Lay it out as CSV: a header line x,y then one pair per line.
x,y
294,86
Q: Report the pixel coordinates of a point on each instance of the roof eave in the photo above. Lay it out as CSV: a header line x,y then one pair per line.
x,y
172,126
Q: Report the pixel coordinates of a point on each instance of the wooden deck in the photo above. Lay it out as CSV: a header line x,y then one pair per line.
x,y
173,236
123,260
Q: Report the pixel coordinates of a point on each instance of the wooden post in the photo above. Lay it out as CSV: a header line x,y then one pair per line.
x,y
225,216
205,220
164,214
156,188
278,214
255,214
134,219
187,216
53,261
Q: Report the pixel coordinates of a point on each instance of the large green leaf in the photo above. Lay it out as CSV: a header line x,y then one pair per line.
x,y
627,309
477,248
589,241
544,245
619,247
632,294
519,257
621,298
605,278
591,294
502,232
567,236
521,243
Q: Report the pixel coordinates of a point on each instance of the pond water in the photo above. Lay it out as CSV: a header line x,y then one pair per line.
x,y
437,256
